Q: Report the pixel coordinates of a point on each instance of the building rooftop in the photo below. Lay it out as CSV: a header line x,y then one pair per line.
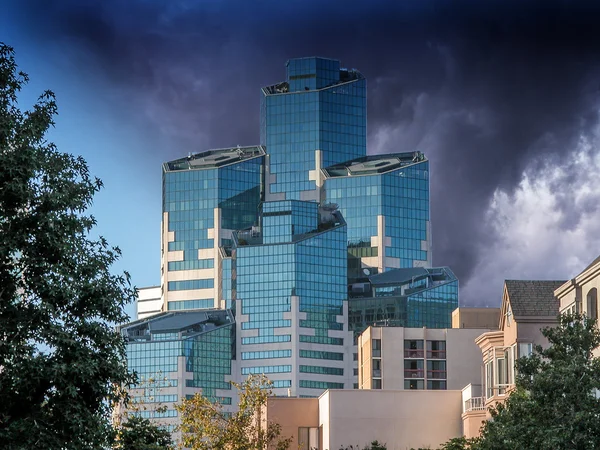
x,y
374,164
533,297
398,277
326,71
187,322
211,159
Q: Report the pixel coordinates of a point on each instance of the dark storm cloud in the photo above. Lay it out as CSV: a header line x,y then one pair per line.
x,y
483,88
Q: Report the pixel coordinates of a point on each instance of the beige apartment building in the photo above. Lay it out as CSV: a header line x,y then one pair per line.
x,y
580,294
419,358
527,307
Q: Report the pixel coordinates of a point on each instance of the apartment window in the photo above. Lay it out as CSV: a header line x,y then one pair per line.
x,y
592,304
355,372
377,368
489,379
308,438
376,347
501,374
413,384
414,369
509,355
436,349
525,349
436,385
376,384
436,369
413,349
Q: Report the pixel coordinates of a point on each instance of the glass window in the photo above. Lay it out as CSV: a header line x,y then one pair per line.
x,y
413,349
413,384
376,347
436,349
525,349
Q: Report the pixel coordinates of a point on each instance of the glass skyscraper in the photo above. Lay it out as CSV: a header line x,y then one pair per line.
x,y
301,235
206,196
317,117
175,355
290,295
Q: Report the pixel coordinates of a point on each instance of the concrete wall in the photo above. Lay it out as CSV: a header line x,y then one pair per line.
x,y
292,413
400,419
463,357
149,301
476,318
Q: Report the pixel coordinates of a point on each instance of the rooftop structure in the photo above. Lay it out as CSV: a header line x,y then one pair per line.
x,y
415,297
215,158
369,165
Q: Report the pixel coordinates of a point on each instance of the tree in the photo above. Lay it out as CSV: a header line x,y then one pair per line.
x,y
62,364
140,434
555,404
460,443
206,426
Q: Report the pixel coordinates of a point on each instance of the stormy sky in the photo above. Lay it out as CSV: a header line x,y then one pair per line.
x,y
501,96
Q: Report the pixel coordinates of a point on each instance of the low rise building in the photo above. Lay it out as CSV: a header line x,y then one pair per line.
x,y
528,306
418,358
344,418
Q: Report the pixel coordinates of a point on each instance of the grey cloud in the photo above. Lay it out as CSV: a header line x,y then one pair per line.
x,y
483,88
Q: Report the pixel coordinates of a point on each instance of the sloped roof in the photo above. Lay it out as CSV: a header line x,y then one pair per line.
x,y
533,297
593,263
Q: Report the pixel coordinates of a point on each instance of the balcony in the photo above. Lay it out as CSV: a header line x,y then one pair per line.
x,y
474,404
413,354
436,354
436,374
414,373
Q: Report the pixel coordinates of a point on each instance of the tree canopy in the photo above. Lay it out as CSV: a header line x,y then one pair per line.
x,y
205,426
62,363
138,433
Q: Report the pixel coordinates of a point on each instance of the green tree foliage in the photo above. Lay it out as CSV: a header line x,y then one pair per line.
x,y
140,434
460,443
555,404
61,360
205,426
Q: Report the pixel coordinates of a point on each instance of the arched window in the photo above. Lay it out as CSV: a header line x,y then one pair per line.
x,y
592,303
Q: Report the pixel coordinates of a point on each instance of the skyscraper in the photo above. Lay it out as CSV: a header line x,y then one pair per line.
x,y
283,233
316,118
290,298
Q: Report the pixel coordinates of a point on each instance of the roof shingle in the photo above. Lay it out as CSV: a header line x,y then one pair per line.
x,y
533,297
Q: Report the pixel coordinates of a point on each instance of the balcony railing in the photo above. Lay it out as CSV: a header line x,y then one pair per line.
x,y
414,373
436,374
474,404
436,354
409,353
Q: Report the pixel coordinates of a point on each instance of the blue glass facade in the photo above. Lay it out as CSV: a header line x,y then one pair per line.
x,y
161,348
292,288
318,107
387,191
412,298
193,189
